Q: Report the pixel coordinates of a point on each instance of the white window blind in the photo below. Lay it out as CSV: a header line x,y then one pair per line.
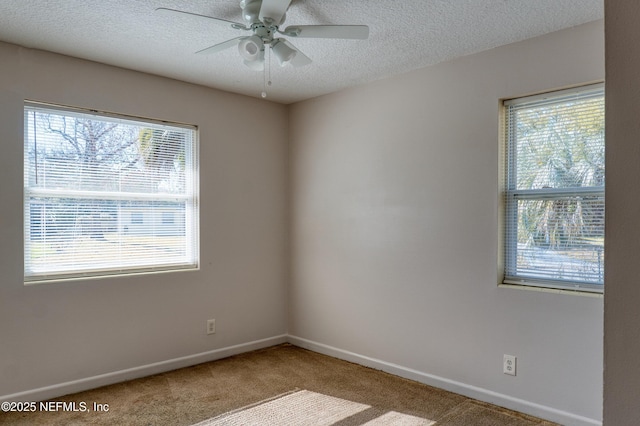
x,y
107,195
554,198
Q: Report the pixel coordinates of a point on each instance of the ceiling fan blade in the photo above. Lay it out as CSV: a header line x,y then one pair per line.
x,y
274,9
221,46
300,59
209,19
356,32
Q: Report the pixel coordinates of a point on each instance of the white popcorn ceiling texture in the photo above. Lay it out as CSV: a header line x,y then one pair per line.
x,y
404,35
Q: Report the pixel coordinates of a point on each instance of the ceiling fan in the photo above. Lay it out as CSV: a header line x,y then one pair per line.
x,y
263,19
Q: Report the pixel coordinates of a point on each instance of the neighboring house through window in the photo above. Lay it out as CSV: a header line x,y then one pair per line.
x,y
137,218
168,218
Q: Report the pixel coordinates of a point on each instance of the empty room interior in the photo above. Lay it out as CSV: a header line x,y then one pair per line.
x,y
351,203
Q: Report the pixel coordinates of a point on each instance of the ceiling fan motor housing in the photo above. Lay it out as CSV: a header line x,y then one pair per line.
x,y
251,13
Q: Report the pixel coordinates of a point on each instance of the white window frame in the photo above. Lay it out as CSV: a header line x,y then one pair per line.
x,y
190,261
511,195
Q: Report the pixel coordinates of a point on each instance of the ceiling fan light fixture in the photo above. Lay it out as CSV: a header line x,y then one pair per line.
x,y
257,65
251,48
283,53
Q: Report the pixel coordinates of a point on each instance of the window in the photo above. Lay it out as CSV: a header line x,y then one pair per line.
x,y
96,187
554,190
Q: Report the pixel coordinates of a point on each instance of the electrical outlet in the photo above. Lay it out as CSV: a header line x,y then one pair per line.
x,y
509,365
211,326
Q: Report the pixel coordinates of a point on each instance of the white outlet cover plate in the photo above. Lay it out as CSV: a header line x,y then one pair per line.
x,y
211,326
509,365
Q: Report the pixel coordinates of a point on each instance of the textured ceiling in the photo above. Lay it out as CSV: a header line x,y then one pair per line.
x,y
404,35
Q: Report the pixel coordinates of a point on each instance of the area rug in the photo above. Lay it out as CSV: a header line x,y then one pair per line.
x,y
306,408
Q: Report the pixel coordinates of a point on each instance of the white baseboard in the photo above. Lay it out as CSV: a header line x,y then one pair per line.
x,y
80,385
549,413
527,407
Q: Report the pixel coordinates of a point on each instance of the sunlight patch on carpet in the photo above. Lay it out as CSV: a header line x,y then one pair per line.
x,y
398,419
302,408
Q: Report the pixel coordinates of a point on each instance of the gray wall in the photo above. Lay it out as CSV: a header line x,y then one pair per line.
x,y
65,332
622,302
395,232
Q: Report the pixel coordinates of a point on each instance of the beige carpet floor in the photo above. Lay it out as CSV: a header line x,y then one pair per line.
x,y
195,394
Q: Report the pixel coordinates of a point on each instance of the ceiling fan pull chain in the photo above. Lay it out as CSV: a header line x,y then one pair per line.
x,y
266,82
269,59
264,75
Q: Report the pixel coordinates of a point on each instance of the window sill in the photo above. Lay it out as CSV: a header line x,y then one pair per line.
x,y
553,290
